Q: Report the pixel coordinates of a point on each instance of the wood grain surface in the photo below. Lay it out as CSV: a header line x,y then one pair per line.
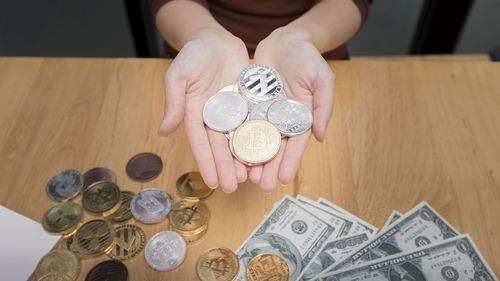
x,y
401,132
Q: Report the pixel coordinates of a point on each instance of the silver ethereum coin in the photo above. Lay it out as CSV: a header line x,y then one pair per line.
x,y
165,251
150,205
290,117
259,82
64,185
225,111
259,111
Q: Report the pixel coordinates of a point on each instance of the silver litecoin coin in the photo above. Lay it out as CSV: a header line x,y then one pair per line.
x,y
290,117
259,111
165,251
150,205
64,185
259,82
225,111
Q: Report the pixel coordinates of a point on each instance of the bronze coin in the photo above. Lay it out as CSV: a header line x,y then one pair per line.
x,y
97,174
144,167
110,270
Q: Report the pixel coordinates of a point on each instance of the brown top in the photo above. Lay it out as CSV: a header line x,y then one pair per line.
x,y
253,20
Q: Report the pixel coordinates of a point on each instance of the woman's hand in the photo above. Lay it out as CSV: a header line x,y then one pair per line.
x,y
211,60
307,78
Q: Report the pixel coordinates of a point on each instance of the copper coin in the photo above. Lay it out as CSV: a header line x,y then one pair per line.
x,y
111,270
144,167
97,174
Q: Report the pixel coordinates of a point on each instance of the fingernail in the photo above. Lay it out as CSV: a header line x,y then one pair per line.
x,y
282,184
214,187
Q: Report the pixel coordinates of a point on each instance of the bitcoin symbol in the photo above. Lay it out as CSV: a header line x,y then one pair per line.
x,y
218,266
256,140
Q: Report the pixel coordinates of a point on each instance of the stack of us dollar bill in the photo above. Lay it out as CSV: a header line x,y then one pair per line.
x,y
321,241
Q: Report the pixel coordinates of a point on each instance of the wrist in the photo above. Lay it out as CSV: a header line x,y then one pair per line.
x,y
216,35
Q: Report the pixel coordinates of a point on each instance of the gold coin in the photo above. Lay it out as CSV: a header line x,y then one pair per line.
x,y
55,276
123,213
191,186
102,198
228,88
68,243
95,237
130,240
61,261
189,216
256,142
62,218
218,264
267,267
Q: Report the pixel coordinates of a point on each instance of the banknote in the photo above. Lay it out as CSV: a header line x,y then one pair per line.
x,y
341,223
419,227
289,231
395,215
454,259
333,251
359,225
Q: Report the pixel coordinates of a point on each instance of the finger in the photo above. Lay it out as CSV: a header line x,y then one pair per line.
x,y
255,173
291,157
226,171
241,170
269,178
202,152
323,104
175,101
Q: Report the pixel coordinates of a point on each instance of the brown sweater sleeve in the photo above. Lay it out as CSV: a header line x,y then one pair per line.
x,y
363,6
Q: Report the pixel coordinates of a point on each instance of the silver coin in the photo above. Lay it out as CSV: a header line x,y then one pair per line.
x,y
260,82
290,117
150,205
259,112
64,185
225,111
165,251
235,88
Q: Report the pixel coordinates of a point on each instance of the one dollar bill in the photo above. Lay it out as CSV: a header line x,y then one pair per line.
x,y
419,227
455,259
395,215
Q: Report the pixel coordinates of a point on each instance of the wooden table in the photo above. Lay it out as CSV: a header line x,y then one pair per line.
x,y
401,132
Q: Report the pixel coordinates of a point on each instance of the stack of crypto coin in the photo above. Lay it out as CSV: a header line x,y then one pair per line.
x,y
190,219
190,186
255,114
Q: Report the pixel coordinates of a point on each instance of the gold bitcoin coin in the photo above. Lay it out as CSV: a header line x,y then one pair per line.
x,y
94,238
256,142
123,213
189,219
228,88
218,264
130,240
102,198
191,186
267,267
55,276
63,218
58,262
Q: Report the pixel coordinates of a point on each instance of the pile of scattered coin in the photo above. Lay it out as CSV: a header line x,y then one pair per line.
x,y
102,197
254,114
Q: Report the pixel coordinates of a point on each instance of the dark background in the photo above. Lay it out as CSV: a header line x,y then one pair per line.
x,y
101,28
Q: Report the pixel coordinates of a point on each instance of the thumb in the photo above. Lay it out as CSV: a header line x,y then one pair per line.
x,y
175,102
323,104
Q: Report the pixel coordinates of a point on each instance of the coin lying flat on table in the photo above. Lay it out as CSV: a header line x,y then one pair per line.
x,y
144,167
102,198
97,174
189,219
68,243
256,142
55,276
267,267
60,261
191,186
165,251
259,82
123,213
130,240
63,218
290,117
218,264
110,270
150,205
64,185
225,111
94,238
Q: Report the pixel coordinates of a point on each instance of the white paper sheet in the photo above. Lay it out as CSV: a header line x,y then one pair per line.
x,y
23,242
